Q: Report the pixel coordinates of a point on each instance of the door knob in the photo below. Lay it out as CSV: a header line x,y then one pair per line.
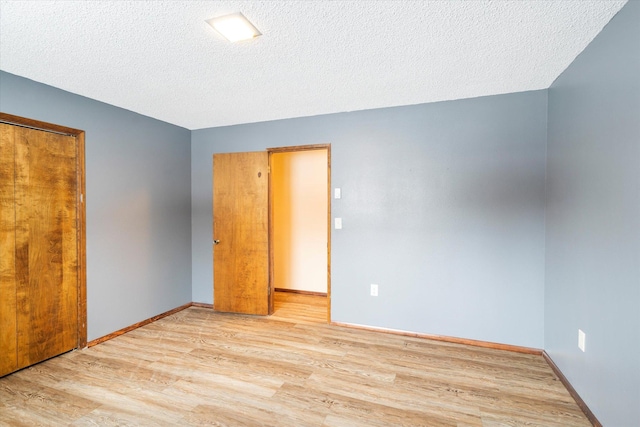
x,y
215,242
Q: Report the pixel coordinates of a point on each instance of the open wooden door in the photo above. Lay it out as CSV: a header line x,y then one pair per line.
x,y
241,233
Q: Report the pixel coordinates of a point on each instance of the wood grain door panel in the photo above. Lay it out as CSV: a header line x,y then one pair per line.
x,y
46,244
240,224
8,329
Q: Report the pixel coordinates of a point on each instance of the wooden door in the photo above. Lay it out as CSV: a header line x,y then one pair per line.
x,y
8,329
41,310
241,233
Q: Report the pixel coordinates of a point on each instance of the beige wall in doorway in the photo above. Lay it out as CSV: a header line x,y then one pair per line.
x,y
299,185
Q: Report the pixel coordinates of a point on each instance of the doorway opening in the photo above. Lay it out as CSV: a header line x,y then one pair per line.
x,y
300,233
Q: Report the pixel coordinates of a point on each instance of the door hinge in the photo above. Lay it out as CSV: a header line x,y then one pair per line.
x,y
81,198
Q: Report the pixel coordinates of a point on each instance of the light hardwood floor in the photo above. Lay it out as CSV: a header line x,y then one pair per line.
x,y
198,367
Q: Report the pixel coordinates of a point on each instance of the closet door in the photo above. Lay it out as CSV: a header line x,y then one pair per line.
x,y
40,228
8,331
46,259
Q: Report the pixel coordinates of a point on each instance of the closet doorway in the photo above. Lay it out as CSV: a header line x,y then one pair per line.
x,y
300,233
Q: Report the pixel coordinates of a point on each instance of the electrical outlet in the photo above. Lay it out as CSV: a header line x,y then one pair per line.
x,y
374,290
338,224
581,339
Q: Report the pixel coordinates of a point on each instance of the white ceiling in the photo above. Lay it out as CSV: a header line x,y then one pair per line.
x,y
160,58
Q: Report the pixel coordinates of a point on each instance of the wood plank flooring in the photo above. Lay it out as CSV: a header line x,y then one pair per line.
x,y
198,367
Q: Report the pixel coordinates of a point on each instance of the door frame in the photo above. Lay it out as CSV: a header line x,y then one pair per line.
x,y
80,208
275,150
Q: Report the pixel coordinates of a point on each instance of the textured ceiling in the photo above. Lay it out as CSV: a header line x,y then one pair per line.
x,y
161,59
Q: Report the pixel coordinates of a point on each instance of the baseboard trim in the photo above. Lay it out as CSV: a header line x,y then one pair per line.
x,y
202,305
137,325
454,340
301,292
572,391
475,343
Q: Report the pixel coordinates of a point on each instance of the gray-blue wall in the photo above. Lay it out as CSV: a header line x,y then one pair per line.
x,y
442,207
138,203
593,222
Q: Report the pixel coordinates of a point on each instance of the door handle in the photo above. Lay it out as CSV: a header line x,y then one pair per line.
x,y
215,242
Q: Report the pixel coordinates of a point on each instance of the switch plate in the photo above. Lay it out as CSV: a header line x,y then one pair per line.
x,y
338,223
581,340
337,193
374,290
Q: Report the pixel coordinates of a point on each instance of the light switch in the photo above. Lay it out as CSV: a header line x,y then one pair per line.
x,y
374,290
337,193
338,223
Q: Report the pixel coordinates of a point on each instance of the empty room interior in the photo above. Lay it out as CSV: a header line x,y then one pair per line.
x,y
363,214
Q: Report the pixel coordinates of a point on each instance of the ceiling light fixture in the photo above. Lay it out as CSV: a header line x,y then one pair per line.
x,y
234,27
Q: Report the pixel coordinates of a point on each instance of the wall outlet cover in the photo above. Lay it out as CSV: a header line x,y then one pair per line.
x,y
374,290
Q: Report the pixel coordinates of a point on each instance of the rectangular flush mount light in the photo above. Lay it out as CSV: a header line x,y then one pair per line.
x,y
234,27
